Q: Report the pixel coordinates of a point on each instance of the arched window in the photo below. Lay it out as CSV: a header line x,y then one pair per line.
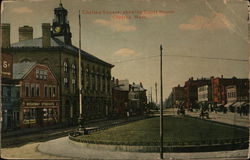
x,y
65,67
73,69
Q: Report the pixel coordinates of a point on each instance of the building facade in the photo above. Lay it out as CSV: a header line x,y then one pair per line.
x,y
137,99
231,94
10,95
39,94
219,85
178,95
191,91
205,93
55,50
120,90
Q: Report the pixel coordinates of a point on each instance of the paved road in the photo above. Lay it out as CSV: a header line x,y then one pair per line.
x,y
61,148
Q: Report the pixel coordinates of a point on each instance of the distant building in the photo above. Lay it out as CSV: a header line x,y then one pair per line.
x,y
191,91
40,97
178,95
137,98
219,85
205,93
120,90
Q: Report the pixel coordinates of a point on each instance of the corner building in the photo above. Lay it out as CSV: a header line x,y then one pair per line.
x,y
54,49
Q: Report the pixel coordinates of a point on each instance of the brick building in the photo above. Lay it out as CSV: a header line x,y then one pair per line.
x,y
191,91
219,85
55,50
39,94
120,90
137,98
178,95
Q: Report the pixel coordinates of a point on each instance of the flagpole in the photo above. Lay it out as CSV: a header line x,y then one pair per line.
x,y
81,127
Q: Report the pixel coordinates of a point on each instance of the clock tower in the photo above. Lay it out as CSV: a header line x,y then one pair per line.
x,y
60,26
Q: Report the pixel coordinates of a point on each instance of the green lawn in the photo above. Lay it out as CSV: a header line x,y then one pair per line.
x,y
176,129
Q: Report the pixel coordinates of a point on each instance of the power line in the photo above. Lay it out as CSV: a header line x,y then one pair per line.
x,y
182,56
212,58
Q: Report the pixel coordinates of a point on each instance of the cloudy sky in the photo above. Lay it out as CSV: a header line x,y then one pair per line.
x,y
200,38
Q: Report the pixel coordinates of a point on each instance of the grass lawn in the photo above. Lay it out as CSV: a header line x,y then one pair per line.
x,y
176,129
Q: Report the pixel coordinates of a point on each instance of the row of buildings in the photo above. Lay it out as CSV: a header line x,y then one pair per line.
x,y
214,90
41,87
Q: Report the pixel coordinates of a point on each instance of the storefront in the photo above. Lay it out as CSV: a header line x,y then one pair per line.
x,y
38,114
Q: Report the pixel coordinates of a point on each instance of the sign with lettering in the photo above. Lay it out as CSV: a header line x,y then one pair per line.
x,y
32,103
40,104
7,64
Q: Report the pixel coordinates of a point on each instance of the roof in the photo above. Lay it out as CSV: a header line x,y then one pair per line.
x,y
21,69
54,43
138,87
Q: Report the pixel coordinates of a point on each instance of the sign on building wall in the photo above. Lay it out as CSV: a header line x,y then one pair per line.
x,y
7,64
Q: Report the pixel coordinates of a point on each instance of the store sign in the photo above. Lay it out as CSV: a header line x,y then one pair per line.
x,y
40,104
48,103
32,104
7,64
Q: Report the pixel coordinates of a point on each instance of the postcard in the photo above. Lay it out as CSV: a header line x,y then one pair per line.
x,y
124,79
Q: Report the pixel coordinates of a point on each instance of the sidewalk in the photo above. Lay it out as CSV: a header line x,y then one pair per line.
x,y
228,118
66,148
44,135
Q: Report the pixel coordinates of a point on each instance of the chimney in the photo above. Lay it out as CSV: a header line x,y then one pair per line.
x,y
5,35
141,84
46,34
221,76
25,33
116,81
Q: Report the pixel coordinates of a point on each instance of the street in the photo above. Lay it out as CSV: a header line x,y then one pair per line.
x,y
29,150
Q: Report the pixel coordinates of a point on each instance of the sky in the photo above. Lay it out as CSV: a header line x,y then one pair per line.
x,y
200,38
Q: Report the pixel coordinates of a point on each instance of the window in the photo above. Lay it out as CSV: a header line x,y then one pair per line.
x,y
74,84
93,82
41,74
87,69
103,85
82,69
66,82
27,90
50,92
45,91
54,91
74,69
65,67
33,90
37,90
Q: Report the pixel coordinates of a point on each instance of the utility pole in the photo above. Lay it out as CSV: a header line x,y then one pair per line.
x,y
161,110
151,94
156,93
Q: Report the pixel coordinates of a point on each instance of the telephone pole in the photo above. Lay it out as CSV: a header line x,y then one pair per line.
x,y
161,110
156,93
151,95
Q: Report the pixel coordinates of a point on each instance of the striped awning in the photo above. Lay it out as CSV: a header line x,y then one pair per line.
x,y
229,104
238,104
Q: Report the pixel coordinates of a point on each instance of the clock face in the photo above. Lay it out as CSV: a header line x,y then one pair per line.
x,y
58,29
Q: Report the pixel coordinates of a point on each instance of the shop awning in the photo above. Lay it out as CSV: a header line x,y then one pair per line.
x,y
229,104
238,104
